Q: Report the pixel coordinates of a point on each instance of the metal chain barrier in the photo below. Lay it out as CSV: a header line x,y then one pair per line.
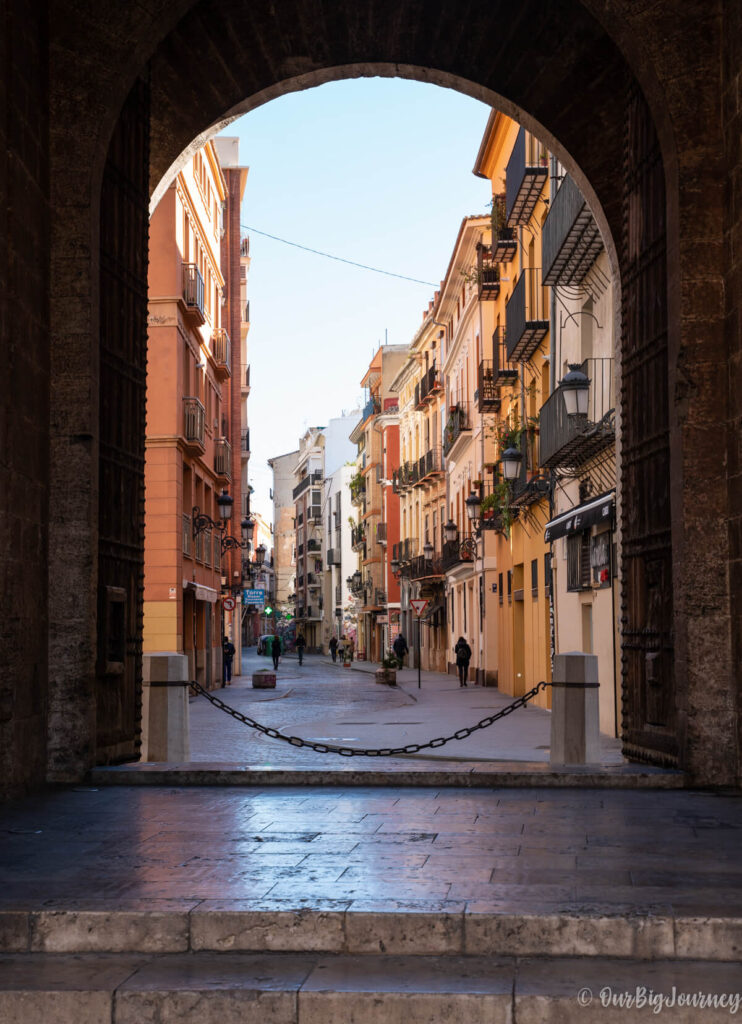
x,y
411,748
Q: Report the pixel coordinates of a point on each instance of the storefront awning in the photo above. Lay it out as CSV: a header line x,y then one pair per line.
x,y
590,513
201,592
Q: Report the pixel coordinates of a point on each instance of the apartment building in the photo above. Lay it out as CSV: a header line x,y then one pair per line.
x,y
376,521
420,482
284,534
193,427
340,561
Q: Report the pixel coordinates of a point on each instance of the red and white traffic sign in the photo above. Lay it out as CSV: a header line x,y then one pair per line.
x,y
419,605
228,604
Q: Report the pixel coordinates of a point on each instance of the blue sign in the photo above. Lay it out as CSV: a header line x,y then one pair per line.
x,y
254,597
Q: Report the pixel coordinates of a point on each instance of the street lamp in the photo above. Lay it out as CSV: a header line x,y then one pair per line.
x,y
510,462
473,508
203,522
260,555
575,386
428,551
396,568
450,531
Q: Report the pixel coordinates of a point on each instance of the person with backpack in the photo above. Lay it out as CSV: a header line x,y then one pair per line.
x,y
300,643
462,650
228,652
400,648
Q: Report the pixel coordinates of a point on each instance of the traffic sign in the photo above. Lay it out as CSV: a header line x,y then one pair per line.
x,y
419,605
229,604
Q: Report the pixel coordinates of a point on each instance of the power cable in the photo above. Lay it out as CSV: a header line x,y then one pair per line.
x,y
339,259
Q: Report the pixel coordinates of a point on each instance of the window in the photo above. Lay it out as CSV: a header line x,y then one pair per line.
x,y
600,559
547,573
534,577
578,561
510,586
499,588
481,603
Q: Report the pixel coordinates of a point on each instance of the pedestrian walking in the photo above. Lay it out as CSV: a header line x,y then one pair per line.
x,y
228,652
341,648
300,643
275,651
334,648
462,650
350,648
400,648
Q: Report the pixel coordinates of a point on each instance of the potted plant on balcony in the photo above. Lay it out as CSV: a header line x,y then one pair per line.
x,y
387,674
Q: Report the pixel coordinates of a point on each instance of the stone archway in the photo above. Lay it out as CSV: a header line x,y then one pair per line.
x,y
572,70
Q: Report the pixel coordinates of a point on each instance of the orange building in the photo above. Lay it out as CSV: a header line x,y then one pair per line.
x,y
193,429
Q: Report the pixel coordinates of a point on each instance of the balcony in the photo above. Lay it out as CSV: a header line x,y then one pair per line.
x,y
313,581
314,515
333,556
245,443
528,491
223,458
245,246
193,292
503,372
488,275
525,176
527,316
314,545
246,382
570,441
246,314
504,246
452,555
371,408
379,597
428,387
571,240
457,424
194,418
314,477
221,349
429,466
488,398
421,568
357,538
381,533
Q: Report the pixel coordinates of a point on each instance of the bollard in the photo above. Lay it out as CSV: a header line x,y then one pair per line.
x,y
264,679
165,716
574,710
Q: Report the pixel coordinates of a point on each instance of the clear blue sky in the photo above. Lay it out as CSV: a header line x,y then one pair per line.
x,y
373,170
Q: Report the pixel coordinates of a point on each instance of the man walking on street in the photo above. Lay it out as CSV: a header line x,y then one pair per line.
x,y
400,648
300,644
275,651
228,652
462,650
334,648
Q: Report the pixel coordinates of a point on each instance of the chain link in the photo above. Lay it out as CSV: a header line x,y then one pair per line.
x,y
411,748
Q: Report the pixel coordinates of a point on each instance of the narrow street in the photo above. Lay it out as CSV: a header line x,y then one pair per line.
x,y
327,703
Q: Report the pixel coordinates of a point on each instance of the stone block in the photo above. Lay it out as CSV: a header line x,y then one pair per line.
x,y
165,711
247,930
405,931
264,679
703,938
97,931
14,931
575,714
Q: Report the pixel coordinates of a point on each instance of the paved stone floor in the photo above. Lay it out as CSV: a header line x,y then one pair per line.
x,y
329,703
458,850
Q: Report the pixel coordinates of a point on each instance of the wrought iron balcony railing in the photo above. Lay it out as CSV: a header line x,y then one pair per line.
x,y
245,441
429,466
357,537
488,397
223,458
371,408
524,178
573,440
458,422
504,239
453,553
571,240
421,567
503,371
381,533
315,477
194,422
221,348
527,316
379,596
488,274
193,290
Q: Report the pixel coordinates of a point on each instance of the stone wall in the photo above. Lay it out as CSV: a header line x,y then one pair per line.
x,y
24,394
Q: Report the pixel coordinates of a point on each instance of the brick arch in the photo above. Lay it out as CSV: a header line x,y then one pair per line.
x,y
566,69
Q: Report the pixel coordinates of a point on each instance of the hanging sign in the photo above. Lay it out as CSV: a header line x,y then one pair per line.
x,y
419,605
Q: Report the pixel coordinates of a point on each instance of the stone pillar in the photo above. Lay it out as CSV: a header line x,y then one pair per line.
x,y
574,709
165,718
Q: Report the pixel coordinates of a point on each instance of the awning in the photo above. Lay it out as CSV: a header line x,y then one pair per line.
x,y
201,592
433,609
590,513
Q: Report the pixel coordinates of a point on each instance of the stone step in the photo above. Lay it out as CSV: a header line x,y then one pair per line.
x,y
509,774
336,927
206,988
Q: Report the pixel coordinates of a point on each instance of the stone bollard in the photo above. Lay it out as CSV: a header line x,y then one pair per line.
x,y
264,679
574,710
165,717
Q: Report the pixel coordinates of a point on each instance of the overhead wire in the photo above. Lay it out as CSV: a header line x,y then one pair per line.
x,y
339,259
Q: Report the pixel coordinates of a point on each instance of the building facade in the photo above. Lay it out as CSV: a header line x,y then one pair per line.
x,y
193,426
284,537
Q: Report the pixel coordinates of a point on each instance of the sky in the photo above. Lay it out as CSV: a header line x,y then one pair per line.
x,y
378,171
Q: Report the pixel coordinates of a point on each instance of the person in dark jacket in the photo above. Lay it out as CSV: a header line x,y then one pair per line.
x,y
462,650
334,648
275,651
300,643
228,652
400,648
